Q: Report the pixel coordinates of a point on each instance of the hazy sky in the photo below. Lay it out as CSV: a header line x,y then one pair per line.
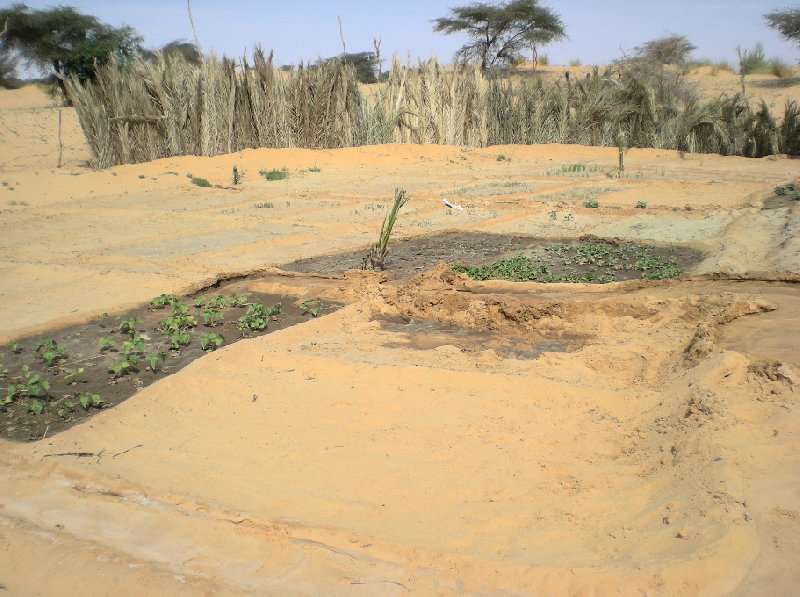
x,y
305,30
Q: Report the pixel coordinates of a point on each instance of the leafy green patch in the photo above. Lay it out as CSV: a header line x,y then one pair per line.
x,y
257,317
585,262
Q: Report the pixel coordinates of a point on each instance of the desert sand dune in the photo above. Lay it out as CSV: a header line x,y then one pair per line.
x,y
654,453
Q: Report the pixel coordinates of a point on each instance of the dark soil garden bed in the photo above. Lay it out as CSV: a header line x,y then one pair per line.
x,y
588,259
54,381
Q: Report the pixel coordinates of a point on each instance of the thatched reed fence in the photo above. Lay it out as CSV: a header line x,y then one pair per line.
x,y
169,107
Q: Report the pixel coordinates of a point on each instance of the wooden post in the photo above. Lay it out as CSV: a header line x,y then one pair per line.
x,y
341,36
60,144
191,21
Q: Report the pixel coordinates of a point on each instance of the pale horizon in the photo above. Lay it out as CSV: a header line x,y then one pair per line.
x,y
597,34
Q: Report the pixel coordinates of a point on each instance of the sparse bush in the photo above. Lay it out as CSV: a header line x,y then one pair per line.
x,y
673,49
274,174
754,62
200,182
237,176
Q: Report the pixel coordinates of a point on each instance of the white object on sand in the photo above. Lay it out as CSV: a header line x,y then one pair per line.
x,y
451,206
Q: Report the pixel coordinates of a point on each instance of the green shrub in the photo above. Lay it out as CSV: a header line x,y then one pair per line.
x,y
200,182
274,174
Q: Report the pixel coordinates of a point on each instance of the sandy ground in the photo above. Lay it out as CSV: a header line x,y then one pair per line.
x,y
344,457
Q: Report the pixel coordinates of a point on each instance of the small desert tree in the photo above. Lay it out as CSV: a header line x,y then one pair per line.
x,y
182,48
63,41
786,22
673,49
365,65
498,32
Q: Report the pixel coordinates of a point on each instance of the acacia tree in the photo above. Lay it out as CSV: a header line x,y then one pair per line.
x,y
786,22
63,41
498,32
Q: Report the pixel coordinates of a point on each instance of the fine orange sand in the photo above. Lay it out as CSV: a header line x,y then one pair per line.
x,y
660,457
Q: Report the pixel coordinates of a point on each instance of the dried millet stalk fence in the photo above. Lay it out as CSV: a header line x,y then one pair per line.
x,y
168,107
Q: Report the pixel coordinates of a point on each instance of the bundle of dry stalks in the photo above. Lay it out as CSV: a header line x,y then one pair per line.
x,y
169,107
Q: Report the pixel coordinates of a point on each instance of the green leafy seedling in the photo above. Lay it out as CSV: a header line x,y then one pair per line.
x,y
35,407
780,190
641,205
15,347
178,339
88,399
212,316
133,346
106,343
176,323
65,409
239,301
591,204
26,386
120,368
211,341
50,351
179,308
73,373
128,325
255,319
163,300
310,307
154,360
217,302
